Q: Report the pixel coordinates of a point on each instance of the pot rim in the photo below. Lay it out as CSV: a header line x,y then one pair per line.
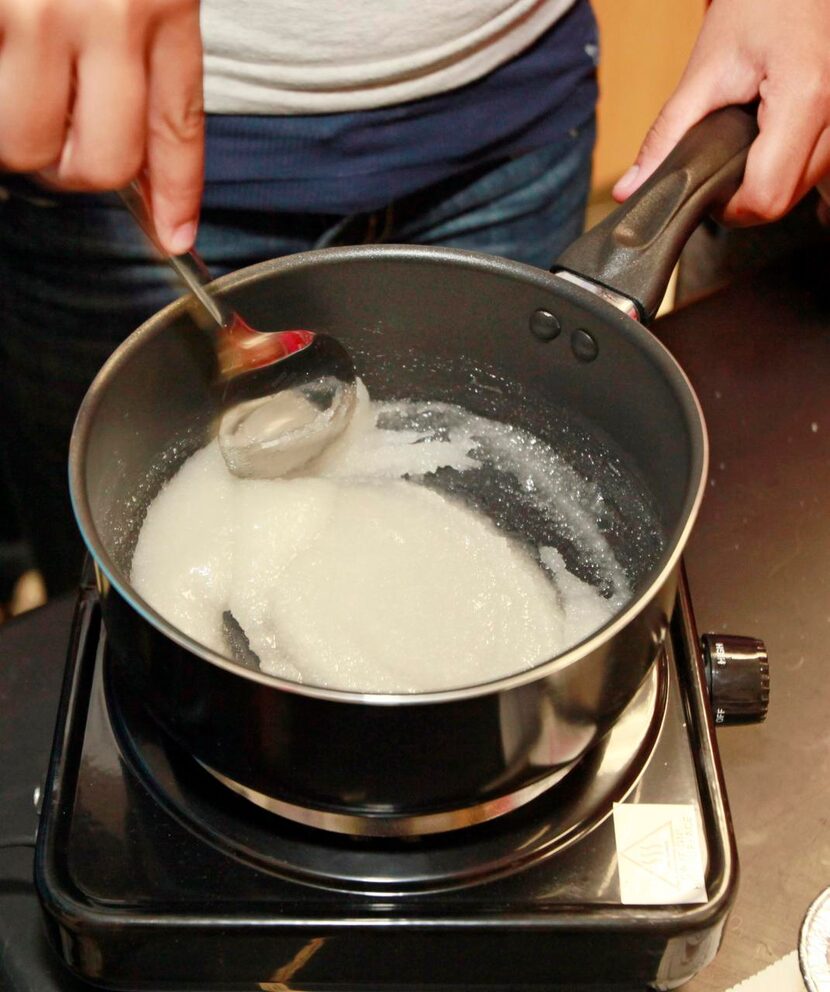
x,y
439,255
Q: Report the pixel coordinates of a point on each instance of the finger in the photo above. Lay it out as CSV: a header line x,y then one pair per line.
x,y
35,82
786,159
175,128
718,74
104,147
693,99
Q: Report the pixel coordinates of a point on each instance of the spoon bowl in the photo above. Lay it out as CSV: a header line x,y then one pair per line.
x,y
280,416
285,395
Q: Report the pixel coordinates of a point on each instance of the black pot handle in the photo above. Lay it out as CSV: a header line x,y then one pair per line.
x,y
634,250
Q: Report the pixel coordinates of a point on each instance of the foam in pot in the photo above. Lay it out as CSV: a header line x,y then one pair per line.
x,y
388,567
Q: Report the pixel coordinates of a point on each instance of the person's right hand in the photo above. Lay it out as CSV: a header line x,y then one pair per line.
x,y
775,51
92,92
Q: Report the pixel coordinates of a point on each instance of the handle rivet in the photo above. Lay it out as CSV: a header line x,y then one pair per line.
x,y
584,346
544,325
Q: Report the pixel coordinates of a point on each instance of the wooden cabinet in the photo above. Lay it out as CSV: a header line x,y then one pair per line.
x,y
644,46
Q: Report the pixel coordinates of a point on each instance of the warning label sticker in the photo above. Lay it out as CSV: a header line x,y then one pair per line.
x,y
659,856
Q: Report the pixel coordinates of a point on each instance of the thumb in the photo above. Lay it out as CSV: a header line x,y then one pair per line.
x,y
690,102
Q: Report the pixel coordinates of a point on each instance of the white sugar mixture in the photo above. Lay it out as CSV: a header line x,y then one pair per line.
x,y
354,577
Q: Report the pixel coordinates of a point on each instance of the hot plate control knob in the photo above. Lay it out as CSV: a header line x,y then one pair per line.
x,y
737,672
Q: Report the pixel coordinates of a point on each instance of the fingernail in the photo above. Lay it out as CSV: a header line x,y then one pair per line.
x,y
182,238
627,180
65,160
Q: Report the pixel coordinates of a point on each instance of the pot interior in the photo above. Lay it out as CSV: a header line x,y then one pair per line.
x,y
421,324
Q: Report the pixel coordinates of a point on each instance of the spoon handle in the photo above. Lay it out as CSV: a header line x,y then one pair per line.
x,y
190,266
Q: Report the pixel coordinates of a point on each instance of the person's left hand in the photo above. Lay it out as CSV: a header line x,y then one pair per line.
x,y
777,51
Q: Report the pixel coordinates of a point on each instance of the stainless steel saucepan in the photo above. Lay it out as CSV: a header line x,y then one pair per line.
x,y
565,355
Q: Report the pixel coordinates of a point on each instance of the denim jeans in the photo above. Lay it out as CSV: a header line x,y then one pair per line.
x,y
76,278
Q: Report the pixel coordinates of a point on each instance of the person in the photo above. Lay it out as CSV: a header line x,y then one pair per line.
x,y
469,125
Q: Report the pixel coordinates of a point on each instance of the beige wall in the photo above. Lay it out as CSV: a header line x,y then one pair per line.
x,y
644,46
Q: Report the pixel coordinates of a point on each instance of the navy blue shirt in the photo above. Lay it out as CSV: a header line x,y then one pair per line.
x,y
354,162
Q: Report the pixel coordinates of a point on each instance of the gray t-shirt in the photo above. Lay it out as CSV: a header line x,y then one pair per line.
x,y
326,56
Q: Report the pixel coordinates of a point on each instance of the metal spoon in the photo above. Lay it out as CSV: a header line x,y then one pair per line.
x,y
286,394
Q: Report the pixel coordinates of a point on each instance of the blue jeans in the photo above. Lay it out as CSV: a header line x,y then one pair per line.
x,y
76,278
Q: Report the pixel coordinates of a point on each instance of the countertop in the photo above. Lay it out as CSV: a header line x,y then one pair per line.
x,y
758,354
